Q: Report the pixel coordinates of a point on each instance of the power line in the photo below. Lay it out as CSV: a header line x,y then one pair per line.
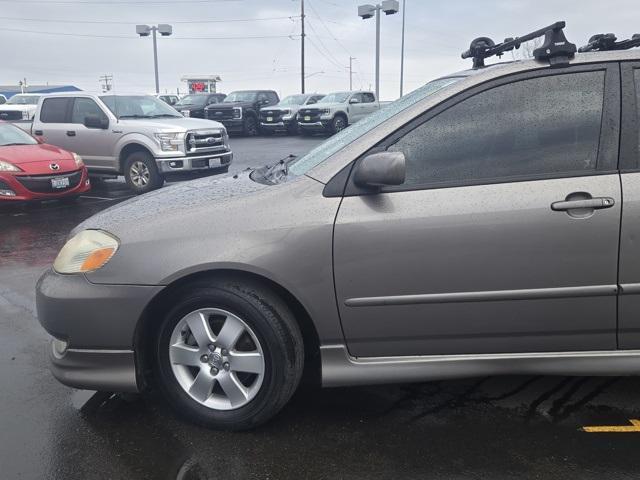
x,y
333,59
108,22
129,37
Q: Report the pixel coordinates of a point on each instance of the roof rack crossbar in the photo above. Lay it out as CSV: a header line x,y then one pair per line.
x,y
555,48
603,42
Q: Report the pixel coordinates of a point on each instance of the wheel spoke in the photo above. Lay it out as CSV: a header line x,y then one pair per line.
x,y
235,391
229,333
199,326
202,386
250,362
181,354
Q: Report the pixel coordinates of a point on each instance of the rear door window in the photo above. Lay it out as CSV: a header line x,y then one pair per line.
x,y
54,110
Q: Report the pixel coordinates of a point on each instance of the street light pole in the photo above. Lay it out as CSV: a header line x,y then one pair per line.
x,y
404,10
389,7
155,59
378,53
146,30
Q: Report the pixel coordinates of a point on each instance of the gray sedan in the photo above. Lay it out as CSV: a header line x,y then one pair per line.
x,y
475,226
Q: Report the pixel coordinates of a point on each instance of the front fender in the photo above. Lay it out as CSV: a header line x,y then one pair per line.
x,y
137,139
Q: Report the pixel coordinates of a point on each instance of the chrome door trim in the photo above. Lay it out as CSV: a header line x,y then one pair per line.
x,y
629,288
341,369
487,296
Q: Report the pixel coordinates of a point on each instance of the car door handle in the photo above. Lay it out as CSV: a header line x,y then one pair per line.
x,y
71,133
37,132
593,203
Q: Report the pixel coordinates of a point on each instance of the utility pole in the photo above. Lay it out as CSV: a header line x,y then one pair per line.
x,y
351,72
404,10
302,45
106,79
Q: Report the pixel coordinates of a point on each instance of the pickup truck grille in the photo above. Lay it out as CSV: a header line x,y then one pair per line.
x,y
42,183
10,115
271,116
218,113
203,141
306,115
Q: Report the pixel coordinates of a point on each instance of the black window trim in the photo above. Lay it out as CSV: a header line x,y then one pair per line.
x,y
607,157
630,132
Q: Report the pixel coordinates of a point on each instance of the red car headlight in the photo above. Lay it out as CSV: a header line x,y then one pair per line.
x,y
8,167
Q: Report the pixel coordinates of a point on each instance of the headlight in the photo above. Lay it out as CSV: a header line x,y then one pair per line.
x,y
169,142
78,159
237,112
324,111
8,167
87,251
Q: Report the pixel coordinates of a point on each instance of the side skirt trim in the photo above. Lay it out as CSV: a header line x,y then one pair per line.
x,y
341,369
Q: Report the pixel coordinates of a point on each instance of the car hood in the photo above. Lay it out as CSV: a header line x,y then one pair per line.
x,y
319,106
182,123
17,108
203,197
23,154
227,105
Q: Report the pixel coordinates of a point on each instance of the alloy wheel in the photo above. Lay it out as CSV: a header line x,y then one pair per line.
x,y
140,174
216,358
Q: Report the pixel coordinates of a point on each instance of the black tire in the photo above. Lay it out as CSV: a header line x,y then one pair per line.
x,y
276,330
138,179
250,126
338,123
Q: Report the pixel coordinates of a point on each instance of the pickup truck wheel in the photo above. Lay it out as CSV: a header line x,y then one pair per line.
x,y
339,123
141,173
229,354
250,127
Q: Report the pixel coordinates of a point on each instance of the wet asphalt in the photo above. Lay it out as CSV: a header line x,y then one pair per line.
x,y
479,428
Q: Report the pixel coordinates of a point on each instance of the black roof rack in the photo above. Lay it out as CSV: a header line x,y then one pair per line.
x,y
603,42
556,49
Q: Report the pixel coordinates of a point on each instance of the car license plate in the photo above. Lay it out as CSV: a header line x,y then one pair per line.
x,y
307,118
185,113
62,182
214,162
269,119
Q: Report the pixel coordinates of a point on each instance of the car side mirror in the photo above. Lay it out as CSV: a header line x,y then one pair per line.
x,y
39,139
354,100
380,169
96,121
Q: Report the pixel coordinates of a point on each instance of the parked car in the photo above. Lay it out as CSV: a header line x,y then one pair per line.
x,y
337,111
32,170
169,99
193,105
137,136
21,106
485,223
240,111
282,116
3,99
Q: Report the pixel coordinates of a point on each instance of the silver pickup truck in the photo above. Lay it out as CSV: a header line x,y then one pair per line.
x,y
138,136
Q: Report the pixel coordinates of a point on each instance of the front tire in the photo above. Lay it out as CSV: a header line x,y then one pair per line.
x,y
250,126
338,124
141,173
229,354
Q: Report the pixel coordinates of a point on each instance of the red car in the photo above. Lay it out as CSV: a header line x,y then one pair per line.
x,y
31,170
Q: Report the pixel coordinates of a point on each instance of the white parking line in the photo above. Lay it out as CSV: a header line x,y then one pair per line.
x,y
102,198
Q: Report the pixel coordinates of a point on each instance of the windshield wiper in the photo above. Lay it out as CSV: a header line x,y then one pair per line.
x,y
134,116
10,144
165,115
279,171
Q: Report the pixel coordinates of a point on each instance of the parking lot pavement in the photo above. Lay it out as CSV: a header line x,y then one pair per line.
x,y
493,428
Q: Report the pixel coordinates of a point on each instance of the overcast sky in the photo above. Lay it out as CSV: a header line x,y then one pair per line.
x,y
55,41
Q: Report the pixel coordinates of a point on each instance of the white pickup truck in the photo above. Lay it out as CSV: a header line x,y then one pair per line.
x,y
337,111
21,106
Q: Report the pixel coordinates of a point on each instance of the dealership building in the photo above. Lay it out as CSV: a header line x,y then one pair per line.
x,y
10,90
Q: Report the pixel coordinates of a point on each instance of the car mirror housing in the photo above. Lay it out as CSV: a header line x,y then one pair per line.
x,y
380,169
95,121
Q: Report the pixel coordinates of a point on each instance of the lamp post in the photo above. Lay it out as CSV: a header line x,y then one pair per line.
x,y
146,30
389,7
